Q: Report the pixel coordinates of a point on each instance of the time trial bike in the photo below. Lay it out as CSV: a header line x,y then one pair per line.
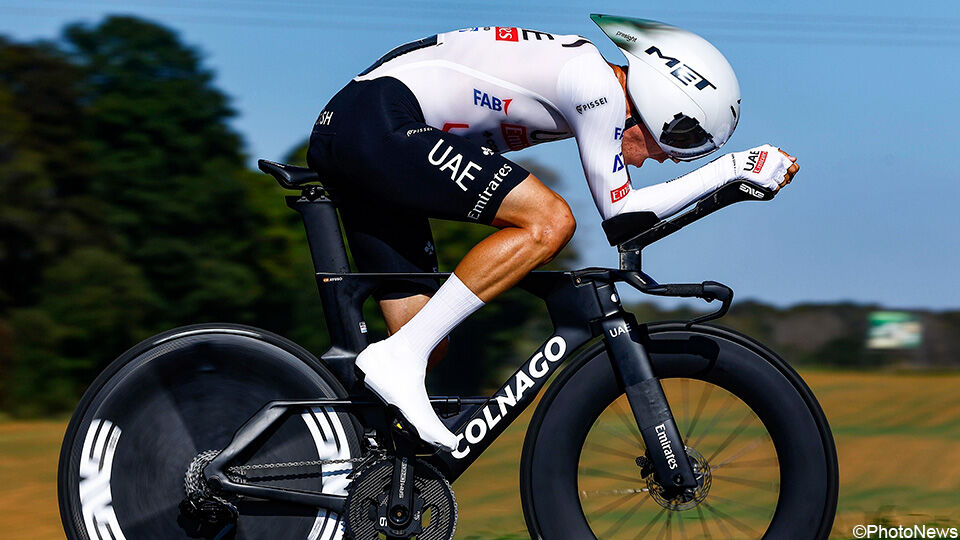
x,y
648,430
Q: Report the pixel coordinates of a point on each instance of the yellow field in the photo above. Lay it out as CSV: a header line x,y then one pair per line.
x,y
898,437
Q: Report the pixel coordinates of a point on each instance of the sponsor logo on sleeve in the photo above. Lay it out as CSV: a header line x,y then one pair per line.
x,y
507,34
627,37
515,136
591,105
482,99
618,162
619,193
755,161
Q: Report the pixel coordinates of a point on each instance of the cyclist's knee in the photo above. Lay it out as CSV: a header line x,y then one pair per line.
x,y
553,227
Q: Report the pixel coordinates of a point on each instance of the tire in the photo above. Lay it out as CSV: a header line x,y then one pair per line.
x,y
154,409
560,464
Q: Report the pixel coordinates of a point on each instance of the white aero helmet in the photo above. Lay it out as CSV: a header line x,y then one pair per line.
x,y
682,87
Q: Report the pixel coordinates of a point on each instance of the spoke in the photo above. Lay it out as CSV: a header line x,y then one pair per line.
x,y
704,396
736,523
746,448
753,507
685,399
703,523
620,522
683,532
589,471
604,510
630,443
629,422
724,531
610,492
766,462
730,401
665,532
608,450
650,525
744,423
765,486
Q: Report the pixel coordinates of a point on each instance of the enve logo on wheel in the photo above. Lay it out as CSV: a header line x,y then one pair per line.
x,y
96,465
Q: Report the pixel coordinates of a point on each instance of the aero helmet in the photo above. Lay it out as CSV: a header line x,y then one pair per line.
x,y
680,85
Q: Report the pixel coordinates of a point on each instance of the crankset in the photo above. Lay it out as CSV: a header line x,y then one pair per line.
x,y
370,514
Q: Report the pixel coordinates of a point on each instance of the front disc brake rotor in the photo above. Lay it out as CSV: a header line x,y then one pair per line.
x,y
369,494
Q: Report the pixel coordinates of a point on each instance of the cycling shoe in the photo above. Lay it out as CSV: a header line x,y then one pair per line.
x,y
393,374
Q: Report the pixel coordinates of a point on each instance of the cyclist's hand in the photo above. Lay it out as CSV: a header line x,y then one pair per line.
x,y
766,166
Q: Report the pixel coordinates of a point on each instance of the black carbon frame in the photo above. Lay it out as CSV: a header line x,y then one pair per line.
x,y
582,304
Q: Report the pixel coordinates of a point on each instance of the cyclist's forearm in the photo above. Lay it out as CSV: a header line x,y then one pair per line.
x,y
668,198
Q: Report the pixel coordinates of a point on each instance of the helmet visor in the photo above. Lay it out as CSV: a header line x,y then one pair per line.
x,y
685,139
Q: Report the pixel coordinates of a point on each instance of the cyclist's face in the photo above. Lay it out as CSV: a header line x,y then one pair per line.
x,y
639,144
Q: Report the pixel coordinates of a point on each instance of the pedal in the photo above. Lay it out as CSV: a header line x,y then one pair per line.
x,y
407,435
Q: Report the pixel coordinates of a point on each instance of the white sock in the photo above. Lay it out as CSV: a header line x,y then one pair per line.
x,y
452,303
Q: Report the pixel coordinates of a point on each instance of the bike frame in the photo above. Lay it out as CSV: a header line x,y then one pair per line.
x,y
582,304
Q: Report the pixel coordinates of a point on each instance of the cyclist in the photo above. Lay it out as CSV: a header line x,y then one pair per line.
x,y
421,134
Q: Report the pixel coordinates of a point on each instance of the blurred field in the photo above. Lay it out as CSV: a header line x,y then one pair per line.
x,y
898,438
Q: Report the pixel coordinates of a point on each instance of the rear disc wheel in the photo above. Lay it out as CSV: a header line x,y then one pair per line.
x,y
159,406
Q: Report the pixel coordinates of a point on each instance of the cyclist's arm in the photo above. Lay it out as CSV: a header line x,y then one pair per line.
x,y
595,108
765,165
592,102
668,198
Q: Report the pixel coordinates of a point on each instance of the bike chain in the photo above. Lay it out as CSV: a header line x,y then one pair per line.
x,y
240,470
196,487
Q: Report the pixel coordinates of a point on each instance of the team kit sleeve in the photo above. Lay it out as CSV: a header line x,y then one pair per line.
x,y
594,106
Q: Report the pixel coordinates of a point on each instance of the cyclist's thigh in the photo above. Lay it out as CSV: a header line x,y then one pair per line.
x,y
446,176
395,243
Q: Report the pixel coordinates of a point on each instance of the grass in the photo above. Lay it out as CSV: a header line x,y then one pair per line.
x,y
898,438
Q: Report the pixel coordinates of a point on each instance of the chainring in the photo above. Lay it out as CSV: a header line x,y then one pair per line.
x,y
371,488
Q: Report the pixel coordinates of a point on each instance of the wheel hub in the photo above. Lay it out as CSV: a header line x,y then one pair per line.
x,y
689,498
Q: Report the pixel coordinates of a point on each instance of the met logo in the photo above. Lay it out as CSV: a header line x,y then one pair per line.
x,y
482,99
682,72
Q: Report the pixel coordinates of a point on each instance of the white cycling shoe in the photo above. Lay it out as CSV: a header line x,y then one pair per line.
x,y
397,376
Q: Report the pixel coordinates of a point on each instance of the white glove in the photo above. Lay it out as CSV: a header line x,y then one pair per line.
x,y
764,166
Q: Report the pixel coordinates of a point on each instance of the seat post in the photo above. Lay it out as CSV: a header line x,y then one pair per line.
x,y
323,233
343,311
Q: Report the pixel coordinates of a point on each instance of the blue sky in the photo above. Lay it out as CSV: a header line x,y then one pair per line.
x,y
864,93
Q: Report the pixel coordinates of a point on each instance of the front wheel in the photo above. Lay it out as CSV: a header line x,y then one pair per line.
x,y
753,431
